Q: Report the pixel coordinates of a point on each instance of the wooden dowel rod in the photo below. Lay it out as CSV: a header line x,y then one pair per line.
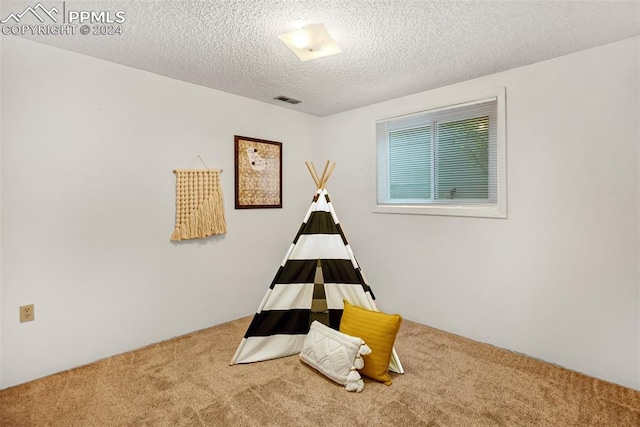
x,y
326,178
324,172
315,172
192,170
312,176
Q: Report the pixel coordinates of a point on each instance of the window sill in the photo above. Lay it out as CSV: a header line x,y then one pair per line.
x,y
478,211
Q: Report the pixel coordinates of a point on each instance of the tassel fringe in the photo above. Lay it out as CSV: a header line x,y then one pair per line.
x,y
354,381
364,350
358,363
204,216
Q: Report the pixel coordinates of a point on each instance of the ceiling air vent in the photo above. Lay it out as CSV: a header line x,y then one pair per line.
x,y
287,99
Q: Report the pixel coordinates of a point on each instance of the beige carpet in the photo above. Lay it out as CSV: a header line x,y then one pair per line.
x,y
449,381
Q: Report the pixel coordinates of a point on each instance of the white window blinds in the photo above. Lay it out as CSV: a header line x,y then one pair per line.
x,y
444,156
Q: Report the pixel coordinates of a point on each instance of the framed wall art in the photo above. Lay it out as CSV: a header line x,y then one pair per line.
x,y
258,172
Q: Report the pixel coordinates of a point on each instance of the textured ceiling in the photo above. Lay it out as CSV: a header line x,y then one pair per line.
x,y
390,48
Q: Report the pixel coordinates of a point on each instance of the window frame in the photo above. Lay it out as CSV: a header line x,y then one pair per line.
x,y
455,207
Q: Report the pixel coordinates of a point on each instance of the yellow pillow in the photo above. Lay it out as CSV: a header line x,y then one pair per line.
x,y
379,331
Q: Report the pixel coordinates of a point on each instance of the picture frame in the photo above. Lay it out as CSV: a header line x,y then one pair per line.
x,y
258,173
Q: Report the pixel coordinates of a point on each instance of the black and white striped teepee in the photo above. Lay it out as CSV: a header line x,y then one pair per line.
x,y
318,272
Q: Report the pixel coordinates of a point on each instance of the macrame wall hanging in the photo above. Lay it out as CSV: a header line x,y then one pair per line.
x,y
199,204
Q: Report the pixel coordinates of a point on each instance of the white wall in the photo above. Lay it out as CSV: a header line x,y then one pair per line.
x,y
558,279
88,149
637,65
0,216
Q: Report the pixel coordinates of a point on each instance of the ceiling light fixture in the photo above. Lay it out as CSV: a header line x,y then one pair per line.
x,y
310,42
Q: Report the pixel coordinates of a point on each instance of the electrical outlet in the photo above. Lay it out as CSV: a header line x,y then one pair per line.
x,y
27,313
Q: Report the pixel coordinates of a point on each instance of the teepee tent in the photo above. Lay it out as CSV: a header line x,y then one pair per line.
x,y
318,272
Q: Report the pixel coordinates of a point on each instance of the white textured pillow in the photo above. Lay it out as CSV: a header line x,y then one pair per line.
x,y
335,354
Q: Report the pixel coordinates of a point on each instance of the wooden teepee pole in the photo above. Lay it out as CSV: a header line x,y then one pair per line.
x,y
320,181
315,173
312,175
324,173
326,178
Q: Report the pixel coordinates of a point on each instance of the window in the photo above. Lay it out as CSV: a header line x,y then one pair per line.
x,y
446,161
